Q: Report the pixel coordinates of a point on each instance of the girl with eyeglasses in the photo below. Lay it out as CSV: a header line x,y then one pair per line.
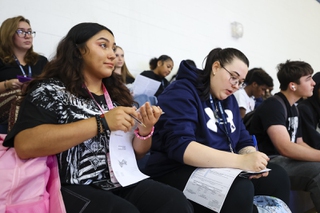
x,y
17,58
202,128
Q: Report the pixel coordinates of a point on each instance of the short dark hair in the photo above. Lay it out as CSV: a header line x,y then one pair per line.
x,y
260,76
292,71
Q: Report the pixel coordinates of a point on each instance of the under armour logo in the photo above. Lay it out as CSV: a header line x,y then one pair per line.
x,y
212,122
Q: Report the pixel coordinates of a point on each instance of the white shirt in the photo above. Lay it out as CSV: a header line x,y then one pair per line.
x,y
244,101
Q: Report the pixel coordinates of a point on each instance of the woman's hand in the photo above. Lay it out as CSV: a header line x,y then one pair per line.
x,y
149,115
254,161
13,84
119,118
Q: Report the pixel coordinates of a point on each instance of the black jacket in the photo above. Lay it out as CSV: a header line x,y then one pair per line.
x,y
309,110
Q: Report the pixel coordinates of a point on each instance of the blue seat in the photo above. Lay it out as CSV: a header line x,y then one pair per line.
x,y
143,98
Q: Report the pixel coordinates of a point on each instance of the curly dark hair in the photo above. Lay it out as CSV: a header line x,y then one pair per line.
x,y
67,63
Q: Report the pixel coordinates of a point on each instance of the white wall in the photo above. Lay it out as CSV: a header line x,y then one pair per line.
x,y
274,30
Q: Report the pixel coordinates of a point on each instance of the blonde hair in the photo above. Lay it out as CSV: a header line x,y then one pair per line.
x,y
124,69
7,31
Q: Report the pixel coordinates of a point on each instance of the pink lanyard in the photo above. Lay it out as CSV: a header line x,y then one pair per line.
x,y
110,106
106,97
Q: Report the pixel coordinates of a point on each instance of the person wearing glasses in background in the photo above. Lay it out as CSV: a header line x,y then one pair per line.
x,y
203,128
17,58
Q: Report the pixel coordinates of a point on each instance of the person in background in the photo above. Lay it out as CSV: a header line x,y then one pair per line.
x,y
17,58
256,86
309,113
68,111
190,62
267,94
278,129
121,67
202,128
160,68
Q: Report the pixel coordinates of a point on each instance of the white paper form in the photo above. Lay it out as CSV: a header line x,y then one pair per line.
x,y
145,85
210,186
123,160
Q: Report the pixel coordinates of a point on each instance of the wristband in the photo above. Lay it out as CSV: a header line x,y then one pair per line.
x,y
136,132
104,122
98,124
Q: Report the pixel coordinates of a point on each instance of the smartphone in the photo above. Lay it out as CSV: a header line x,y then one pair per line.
x,y
23,79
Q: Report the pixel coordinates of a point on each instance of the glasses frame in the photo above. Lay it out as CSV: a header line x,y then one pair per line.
x,y
235,81
22,34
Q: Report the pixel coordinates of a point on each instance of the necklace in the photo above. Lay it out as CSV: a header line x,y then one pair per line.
x,y
98,91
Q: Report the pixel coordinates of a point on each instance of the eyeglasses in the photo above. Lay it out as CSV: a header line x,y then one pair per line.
x,y
234,80
22,34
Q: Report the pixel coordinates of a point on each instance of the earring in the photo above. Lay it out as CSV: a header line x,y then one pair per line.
x,y
213,73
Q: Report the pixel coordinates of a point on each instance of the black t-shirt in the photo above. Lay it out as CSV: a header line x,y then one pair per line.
x,y
50,103
310,122
129,80
10,71
271,112
163,80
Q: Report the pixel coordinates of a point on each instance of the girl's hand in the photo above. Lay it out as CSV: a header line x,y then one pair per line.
x,y
254,161
149,115
13,84
119,118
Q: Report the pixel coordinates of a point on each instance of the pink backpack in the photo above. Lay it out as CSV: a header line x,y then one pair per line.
x,y
29,186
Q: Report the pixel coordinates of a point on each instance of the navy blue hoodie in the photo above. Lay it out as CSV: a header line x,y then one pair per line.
x,y
187,118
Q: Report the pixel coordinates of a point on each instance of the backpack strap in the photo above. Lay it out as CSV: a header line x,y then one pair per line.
x,y
282,103
284,106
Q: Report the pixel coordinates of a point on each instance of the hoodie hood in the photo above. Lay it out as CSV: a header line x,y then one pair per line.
x,y
187,71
